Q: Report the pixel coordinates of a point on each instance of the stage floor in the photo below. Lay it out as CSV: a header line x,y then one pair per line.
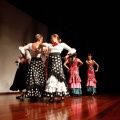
x,y
84,107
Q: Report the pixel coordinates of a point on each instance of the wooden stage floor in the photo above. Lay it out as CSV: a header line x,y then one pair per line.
x,y
85,107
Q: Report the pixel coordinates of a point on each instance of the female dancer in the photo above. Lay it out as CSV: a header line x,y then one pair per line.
x,y
91,80
36,77
56,83
74,82
19,82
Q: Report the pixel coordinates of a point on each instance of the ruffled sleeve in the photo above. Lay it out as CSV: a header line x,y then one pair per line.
x,y
69,49
23,48
72,51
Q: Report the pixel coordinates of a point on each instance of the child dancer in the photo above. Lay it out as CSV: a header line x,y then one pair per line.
x,y
91,80
74,82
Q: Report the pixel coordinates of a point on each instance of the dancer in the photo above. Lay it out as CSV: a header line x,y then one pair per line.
x,y
19,82
56,83
72,65
36,77
91,80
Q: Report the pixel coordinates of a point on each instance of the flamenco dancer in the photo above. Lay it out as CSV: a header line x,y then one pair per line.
x,y
91,80
36,76
20,78
56,82
72,65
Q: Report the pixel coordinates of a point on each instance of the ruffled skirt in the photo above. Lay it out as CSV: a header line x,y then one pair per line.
x,y
56,84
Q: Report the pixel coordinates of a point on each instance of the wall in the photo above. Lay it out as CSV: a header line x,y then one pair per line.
x,y
16,27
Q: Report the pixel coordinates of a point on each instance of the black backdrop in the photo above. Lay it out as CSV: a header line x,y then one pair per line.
x,y
90,27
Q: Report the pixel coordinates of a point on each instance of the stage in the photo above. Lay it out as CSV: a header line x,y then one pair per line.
x,y
84,107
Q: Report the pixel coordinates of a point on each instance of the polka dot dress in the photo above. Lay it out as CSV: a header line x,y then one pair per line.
x,y
36,79
55,68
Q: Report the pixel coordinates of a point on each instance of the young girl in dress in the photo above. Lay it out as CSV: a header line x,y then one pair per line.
x,y
91,80
56,82
74,83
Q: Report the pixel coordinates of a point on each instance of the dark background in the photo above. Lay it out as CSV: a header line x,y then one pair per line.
x,y
90,26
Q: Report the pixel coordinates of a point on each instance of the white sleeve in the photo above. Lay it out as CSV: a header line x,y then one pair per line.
x,y
47,44
69,49
23,48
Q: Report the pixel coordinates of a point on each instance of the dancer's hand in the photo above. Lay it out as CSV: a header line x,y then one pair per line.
x,y
16,61
46,50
